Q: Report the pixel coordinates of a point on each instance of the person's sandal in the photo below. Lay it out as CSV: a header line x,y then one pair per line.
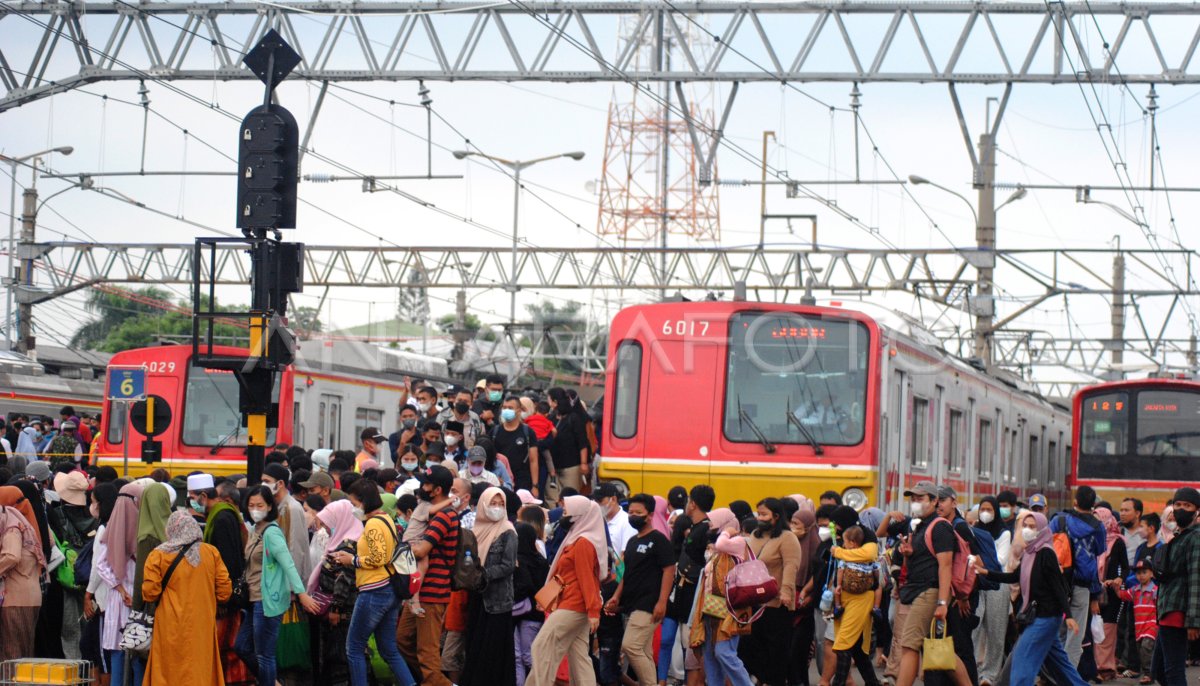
x,y
1145,680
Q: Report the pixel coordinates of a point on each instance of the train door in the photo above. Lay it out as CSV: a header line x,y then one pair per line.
x,y
329,421
938,468
891,471
969,459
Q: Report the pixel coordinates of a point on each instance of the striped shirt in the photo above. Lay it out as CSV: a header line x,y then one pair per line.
x,y
442,534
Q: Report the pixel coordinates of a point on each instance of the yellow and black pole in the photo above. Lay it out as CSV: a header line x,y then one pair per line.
x,y
256,417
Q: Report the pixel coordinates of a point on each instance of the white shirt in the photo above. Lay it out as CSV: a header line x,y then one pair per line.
x,y
619,531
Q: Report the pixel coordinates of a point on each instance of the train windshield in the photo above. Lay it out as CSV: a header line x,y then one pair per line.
x,y
1168,424
796,379
1106,424
210,413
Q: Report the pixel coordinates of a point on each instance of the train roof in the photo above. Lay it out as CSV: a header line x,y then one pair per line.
x,y
1161,382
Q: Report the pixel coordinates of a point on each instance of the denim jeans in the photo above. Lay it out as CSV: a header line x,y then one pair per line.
x,y
1040,644
255,643
375,612
670,627
1169,664
118,661
721,662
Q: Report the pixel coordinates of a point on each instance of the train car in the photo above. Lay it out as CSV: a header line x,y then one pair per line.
x,y
25,389
334,390
764,399
1138,438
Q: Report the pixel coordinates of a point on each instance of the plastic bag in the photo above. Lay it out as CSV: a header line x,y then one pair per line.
x,y
1097,627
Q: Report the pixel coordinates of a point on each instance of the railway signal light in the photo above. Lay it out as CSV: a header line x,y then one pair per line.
x,y
268,146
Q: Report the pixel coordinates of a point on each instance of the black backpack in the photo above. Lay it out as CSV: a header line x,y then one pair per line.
x,y
467,574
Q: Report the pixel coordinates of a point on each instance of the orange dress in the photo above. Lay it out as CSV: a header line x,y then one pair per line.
x,y
184,650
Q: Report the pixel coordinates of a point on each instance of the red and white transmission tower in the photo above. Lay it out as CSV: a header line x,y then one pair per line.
x,y
649,185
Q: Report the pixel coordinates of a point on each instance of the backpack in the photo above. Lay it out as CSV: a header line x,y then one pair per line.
x,y
403,565
1085,563
467,574
987,555
962,572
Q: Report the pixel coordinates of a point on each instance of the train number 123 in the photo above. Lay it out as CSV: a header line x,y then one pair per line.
x,y
681,327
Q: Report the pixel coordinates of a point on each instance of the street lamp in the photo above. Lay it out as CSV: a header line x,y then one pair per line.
x,y
516,166
10,280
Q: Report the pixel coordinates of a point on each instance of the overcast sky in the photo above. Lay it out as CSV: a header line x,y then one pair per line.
x,y
1047,136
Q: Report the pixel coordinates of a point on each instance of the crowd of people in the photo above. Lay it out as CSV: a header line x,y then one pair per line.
x,y
472,546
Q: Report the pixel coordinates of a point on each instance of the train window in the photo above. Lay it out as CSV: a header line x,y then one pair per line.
x,y
954,441
1052,463
796,379
366,417
1034,462
1105,420
210,409
918,446
1166,424
628,389
985,449
116,422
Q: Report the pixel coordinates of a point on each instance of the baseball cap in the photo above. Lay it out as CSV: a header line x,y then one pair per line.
x,y
477,454
436,448
922,488
72,488
604,490
945,491
39,470
437,475
1143,563
318,479
527,497
1037,500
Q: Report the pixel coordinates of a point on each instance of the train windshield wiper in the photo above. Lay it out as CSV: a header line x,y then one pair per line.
x,y
743,416
227,438
808,436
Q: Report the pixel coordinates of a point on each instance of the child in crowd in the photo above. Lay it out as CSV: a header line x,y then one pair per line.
x,y
1144,597
418,522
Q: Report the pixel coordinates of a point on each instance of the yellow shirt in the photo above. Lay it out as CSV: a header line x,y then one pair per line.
x,y
373,552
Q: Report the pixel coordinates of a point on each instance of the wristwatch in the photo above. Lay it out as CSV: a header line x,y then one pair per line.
x,y
943,602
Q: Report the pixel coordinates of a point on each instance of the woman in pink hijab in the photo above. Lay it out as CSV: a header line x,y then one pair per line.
x,y
1113,564
338,517
662,515
580,564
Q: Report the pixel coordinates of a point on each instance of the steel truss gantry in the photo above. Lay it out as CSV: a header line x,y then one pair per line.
x,y
943,279
47,47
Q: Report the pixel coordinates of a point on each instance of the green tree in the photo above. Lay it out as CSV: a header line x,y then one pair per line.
x,y
472,324
112,309
124,327
306,321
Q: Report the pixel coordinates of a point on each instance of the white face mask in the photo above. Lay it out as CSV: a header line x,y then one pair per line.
x,y
424,407
257,516
1029,535
358,513
986,517
823,533
455,502
917,508
496,514
451,441
1171,526
409,466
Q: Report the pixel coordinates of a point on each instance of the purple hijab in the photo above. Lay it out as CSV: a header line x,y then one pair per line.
x,y
1044,540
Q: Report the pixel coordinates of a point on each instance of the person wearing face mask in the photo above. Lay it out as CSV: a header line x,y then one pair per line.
x,y
372,449
644,589
927,591
452,436
474,470
1045,590
518,442
994,605
460,411
427,407
770,638
271,578
1177,565
489,638
1007,501
803,525
223,527
487,406
291,515
1088,543
407,432
321,484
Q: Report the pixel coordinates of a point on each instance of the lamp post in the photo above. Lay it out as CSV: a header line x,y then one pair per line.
x,y
10,278
516,166
985,241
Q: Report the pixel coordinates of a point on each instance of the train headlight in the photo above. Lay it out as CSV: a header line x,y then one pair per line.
x,y
854,497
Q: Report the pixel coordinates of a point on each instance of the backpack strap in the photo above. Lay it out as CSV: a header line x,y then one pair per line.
x,y
929,533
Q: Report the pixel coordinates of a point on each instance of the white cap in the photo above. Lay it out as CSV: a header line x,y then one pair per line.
x,y
199,482
408,488
171,494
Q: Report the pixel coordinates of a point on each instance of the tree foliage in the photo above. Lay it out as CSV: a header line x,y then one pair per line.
x,y
121,323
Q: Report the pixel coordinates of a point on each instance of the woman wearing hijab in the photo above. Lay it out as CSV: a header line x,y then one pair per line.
x,y
98,592
662,516
26,497
184,648
336,585
489,653
116,567
803,525
21,567
26,451
774,544
994,606
581,563
714,635
528,577
1045,592
853,628
153,511
1113,564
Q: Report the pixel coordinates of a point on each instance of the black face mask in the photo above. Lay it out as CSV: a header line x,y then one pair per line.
x,y
425,495
461,408
1184,518
409,423
765,527
565,524
637,522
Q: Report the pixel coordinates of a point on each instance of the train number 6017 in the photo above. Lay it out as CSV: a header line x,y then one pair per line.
x,y
683,327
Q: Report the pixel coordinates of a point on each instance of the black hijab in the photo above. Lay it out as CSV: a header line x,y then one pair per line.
x,y
845,517
997,526
106,498
34,495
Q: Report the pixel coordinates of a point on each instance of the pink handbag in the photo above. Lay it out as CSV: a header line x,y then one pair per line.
x,y
749,584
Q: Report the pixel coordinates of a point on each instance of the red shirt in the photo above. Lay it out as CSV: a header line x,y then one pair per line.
x,y
442,534
540,425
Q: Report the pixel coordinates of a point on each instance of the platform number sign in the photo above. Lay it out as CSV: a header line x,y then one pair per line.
x,y
126,384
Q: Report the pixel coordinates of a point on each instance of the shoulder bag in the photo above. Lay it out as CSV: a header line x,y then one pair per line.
x,y
750,583
548,597
938,653
139,630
